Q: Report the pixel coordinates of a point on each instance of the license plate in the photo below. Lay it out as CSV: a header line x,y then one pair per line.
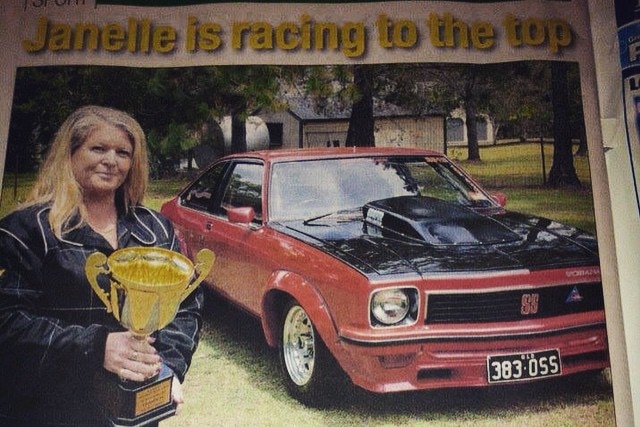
x,y
523,366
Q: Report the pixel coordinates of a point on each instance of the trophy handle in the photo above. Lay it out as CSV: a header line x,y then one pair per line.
x,y
204,261
94,266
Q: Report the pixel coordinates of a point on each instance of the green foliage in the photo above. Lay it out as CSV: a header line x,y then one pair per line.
x,y
171,104
174,103
15,188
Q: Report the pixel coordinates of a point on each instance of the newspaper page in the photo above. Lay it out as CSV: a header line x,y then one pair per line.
x,y
42,41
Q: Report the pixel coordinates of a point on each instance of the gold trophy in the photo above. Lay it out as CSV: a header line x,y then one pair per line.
x,y
145,288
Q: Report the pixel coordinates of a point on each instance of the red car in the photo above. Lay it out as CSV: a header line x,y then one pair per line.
x,y
398,266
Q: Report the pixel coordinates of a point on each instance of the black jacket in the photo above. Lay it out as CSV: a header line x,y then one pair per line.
x,y
53,327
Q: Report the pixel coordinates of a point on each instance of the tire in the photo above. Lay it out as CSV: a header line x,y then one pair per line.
x,y
309,370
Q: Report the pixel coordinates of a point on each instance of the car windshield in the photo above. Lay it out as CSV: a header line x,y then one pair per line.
x,y
312,189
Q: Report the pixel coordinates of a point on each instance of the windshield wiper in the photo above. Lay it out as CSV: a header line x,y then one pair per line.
x,y
343,212
315,218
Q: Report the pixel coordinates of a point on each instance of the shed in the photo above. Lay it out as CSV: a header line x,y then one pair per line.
x,y
302,125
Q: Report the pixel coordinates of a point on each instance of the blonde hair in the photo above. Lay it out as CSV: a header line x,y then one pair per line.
x,y
56,184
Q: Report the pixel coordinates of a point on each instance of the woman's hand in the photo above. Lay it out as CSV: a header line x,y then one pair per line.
x,y
131,358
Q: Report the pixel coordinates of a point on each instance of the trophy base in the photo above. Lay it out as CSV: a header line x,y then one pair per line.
x,y
133,404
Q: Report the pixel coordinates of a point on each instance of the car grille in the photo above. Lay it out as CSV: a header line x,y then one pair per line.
x,y
513,305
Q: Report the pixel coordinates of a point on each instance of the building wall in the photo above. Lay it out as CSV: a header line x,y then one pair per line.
x,y
457,129
290,128
325,134
422,132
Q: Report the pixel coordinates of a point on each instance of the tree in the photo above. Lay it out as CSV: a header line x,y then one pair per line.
x,y
41,102
576,108
335,90
519,105
357,90
173,105
240,91
447,87
563,172
361,122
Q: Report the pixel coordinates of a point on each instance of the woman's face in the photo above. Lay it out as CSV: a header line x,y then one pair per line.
x,y
102,162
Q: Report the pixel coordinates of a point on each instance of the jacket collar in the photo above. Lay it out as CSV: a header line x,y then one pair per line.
x,y
130,227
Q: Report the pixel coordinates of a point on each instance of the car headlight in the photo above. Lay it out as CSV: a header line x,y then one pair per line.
x,y
393,306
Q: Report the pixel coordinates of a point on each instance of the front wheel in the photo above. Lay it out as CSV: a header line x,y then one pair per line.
x,y
308,367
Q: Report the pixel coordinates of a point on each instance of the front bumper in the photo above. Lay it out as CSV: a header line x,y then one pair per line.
x,y
461,361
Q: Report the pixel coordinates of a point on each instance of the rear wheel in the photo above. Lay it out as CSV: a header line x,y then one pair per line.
x,y
308,367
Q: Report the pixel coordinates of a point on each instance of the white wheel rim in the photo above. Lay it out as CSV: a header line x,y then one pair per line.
x,y
298,345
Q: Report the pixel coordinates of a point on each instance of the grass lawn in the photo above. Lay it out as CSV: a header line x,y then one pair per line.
x,y
513,169
234,378
517,171
234,382
14,190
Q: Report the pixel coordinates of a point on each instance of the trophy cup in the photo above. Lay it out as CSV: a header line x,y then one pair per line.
x,y
145,288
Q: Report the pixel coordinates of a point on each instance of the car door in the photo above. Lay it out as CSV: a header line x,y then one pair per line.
x,y
197,202
240,269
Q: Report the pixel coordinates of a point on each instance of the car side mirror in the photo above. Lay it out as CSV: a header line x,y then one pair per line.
x,y
500,198
241,215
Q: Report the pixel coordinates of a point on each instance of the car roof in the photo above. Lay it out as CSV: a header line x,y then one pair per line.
x,y
282,155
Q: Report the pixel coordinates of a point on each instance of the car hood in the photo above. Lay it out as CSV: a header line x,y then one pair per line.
x,y
421,235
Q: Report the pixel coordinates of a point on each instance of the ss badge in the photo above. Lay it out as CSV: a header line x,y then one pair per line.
x,y
529,304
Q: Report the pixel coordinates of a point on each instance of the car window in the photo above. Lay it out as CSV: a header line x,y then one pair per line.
x,y
199,196
244,188
443,181
436,182
302,190
308,189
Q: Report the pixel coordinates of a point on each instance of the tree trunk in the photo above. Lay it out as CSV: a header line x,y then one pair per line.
x,y
472,130
563,172
360,133
582,148
238,134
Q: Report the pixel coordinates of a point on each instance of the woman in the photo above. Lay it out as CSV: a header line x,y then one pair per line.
x,y
55,333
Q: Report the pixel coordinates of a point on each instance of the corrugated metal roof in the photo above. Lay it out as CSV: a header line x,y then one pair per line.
x,y
305,110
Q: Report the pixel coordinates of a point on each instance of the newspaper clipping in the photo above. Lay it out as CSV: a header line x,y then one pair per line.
x,y
508,90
